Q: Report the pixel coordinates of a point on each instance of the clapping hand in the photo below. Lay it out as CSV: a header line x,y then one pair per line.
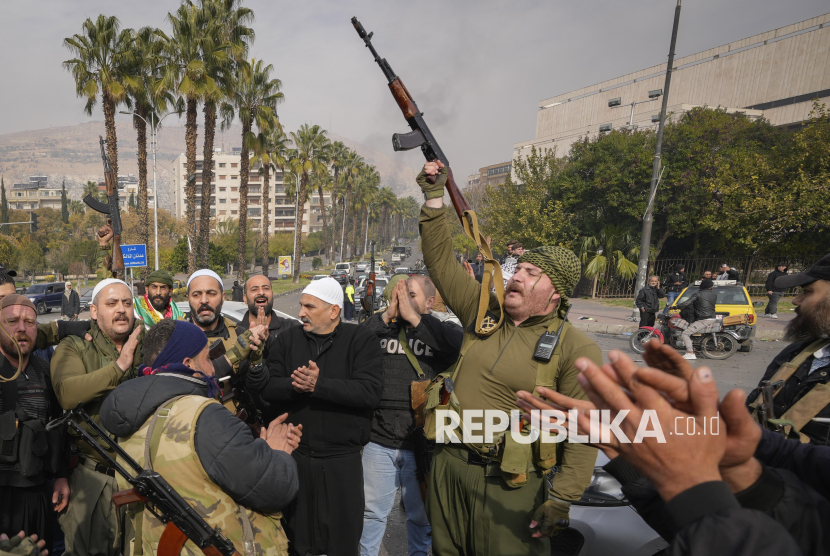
x,y
304,379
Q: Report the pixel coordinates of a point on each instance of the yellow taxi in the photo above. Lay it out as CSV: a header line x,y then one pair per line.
x,y
733,299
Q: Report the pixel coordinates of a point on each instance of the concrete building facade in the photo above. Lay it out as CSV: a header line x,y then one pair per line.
x,y
775,74
495,174
34,194
224,200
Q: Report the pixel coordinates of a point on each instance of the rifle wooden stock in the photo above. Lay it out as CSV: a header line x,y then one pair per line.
x,y
124,497
117,255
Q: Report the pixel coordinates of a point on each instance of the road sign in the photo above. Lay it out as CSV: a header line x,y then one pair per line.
x,y
134,255
285,265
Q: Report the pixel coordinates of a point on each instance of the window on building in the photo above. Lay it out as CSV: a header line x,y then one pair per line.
x,y
222,201
253,189
234,164
222,189
255,211
234,200
223,177
234,211
234,177
222,212
221,164
234,189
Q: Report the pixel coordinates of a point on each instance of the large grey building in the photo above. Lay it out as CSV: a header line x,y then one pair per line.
x,y
776,75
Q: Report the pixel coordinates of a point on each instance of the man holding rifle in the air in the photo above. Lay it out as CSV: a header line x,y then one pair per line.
x,y
493,499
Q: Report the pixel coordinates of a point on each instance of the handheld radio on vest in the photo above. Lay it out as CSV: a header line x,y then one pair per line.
x,y
547,343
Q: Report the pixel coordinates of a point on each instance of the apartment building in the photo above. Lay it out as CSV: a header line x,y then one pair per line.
x,y
36,193
128,185
495,174
224,199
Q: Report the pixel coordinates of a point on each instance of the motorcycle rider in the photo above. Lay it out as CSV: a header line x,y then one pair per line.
x,y
674,284
704,302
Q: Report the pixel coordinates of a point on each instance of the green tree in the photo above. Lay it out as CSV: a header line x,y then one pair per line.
x,y
4,206
64,203
310,156
131,201
253,98
100,67
351,165
338,153
8,254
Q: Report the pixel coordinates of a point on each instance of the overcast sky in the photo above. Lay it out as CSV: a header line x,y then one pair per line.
x,y
476,68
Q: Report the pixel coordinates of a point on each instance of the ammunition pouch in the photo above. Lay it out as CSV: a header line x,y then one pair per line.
x,y
9,439
29,446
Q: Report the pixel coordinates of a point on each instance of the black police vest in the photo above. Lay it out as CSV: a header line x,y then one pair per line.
x,y
398,372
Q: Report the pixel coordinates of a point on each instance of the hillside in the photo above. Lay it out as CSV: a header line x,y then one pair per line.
x,y
72,153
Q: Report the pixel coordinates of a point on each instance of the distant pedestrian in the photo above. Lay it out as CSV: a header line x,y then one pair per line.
x,y
674,284
727,273
707,275
648,301
508,268
350,300
70,303
478,267
774,292
237,293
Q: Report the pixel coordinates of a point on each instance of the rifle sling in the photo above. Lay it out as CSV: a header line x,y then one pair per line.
x,y
788,369
492,274
408,351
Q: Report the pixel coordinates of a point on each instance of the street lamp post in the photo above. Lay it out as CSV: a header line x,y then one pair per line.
x,y
368,214
154,131
645,240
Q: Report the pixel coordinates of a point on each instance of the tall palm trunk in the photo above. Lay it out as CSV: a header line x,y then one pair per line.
x,y
207,179
346,201
301,194
325,222
112,141
356,225
266,215
190,188
143,217
335,236
244,163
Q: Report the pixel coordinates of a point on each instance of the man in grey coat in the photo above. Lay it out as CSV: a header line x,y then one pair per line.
x,y
70,303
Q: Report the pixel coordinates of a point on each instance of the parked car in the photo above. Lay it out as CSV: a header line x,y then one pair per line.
x,y
361,267
401,270
319,277
604,522
86,300
733,299
46,296
342,276
348,267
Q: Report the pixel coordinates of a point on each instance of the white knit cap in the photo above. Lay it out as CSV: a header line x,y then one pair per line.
x,y
328,290
104,283
206,272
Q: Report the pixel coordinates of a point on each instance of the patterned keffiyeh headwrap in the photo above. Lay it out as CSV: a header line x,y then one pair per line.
x,y
149,314
561,266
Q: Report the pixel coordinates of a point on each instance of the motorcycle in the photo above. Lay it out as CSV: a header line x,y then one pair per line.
x,y
718,341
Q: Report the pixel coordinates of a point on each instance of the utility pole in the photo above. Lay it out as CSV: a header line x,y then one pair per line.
x,y
645,240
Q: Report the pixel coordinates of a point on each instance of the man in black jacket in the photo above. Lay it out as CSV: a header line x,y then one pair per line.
x,y
804,365
328,376
237,292
674,284
704,302
257,474
416,346
648,301
70,303
260,300
727,273
774,292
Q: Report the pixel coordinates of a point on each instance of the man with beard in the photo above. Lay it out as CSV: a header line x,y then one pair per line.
x,y
804,365
487,498
155,304
170,422
260,300
27,404
328,376
86,372
205,297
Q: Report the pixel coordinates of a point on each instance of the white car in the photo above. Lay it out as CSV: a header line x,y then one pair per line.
x,y
344,266
234,310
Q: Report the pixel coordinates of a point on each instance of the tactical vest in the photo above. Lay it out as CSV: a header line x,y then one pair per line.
x,y
166,444
512,459
802,411
399,372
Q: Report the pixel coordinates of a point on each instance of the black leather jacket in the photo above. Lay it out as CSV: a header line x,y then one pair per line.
x,y
704,303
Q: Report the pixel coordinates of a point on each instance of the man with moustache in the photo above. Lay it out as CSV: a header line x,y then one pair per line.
x,y
27,404
492,498
86,372
804,365
328,376
156,302
205,296
260,300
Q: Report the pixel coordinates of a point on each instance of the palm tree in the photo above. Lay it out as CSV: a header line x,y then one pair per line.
x,y
310,156
337,155
364,194
225,41
100,67
186,73
269,152
604,254
386,203
351,165
253,97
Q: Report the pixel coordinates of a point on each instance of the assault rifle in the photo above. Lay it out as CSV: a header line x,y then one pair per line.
x,y
766,413
182,522
422,137
368,301
111,209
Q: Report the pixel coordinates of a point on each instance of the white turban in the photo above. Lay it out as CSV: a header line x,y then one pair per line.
x,y
109,281
328,290
206,272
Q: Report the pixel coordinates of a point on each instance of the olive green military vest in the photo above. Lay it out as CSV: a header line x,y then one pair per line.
x,y
166,444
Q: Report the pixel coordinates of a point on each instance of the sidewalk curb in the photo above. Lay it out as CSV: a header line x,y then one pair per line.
x,y
289,292
768,335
